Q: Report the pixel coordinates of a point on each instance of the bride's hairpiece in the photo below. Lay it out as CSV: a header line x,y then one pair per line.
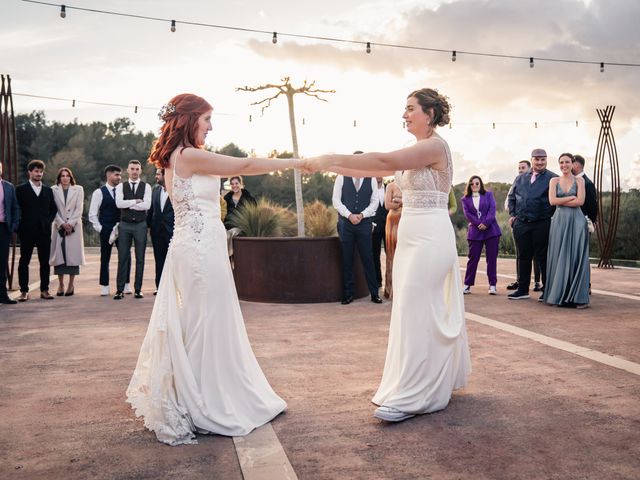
x,y
166,111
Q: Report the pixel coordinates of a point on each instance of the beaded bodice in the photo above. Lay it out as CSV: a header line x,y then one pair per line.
x,y
426,187
196,204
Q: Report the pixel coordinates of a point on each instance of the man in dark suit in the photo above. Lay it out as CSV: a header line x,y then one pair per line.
x,y
590,205
9,216
530,217
37,211
160,220
356,201
377,236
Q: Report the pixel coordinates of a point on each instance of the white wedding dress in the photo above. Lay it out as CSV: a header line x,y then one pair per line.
x,y
428,353
196,371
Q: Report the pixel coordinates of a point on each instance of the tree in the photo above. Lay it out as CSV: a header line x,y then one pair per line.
x,y
285,88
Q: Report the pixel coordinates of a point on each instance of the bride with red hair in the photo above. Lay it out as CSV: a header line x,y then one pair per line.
x,y
196,371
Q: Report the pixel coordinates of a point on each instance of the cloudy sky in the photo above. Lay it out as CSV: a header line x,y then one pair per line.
x,y
89,56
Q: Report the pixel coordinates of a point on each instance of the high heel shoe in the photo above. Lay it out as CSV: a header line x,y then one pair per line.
x,y
68,293
60,293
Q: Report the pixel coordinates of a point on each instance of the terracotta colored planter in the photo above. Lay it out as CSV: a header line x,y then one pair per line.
x,y
291,270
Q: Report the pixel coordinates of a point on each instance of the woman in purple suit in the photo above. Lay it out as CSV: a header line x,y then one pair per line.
x,y
479,207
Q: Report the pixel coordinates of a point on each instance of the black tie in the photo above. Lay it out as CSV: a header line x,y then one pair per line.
x,y
114,192
133,187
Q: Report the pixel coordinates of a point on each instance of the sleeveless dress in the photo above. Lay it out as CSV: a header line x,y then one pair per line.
x,y
391,238
428,353
196,371
568,273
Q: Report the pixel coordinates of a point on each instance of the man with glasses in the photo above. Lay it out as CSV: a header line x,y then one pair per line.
x,y
530,218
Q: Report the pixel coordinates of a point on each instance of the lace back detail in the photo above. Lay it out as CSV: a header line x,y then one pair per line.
x,y
186,210
426,187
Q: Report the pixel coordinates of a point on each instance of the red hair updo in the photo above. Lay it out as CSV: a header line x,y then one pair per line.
x,y
180,126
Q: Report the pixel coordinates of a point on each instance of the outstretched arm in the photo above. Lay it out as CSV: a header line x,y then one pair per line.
x,y
429,152
194,160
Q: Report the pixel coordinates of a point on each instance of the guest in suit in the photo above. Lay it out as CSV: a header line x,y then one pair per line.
x,y
237,197
378,234
133,198
160,220
530,218
9,216
590,206
37,211
479,208
104,215
356,200
523,167
67,241
393,204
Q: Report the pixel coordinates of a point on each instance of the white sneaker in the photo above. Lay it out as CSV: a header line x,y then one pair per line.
x,y
492,290
104,290
127,289
467,289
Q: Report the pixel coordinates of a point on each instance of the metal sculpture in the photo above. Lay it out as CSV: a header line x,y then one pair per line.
x,y
606,230
8,153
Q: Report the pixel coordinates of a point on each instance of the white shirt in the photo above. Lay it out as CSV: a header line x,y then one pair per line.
x,y
381,194
370,211
132,204
94,207
36,188
581,174
163,198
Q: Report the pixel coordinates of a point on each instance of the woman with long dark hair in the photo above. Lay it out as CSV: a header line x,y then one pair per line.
x,y
479,208
196,371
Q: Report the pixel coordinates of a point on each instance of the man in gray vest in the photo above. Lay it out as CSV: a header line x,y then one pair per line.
x,y
133,198
356,200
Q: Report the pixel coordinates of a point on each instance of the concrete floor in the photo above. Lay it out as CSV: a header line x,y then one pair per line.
x,y
529,411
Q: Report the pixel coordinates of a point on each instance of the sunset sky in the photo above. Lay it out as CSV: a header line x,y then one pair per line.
x,y
89,56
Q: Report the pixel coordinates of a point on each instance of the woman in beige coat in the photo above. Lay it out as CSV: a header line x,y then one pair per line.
x,y
67,243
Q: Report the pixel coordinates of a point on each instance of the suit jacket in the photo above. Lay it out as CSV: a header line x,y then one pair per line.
x,y
69,211
590,205
36,211
485,214
160,221
11,207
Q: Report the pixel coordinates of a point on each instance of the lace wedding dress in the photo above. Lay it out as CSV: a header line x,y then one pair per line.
x,y
196,371
428,353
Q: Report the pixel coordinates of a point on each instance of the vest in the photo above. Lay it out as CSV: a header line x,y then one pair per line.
x,y
127,214
109,214
356,200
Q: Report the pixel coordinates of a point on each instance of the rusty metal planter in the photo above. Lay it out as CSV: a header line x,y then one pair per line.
x,y
291,270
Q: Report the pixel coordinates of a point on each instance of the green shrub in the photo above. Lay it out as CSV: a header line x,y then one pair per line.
x,y
263,219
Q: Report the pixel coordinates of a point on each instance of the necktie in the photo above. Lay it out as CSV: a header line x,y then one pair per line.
x,y
534,176
133,187
114,192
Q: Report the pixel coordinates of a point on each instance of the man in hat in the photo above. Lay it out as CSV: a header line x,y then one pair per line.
x,y
530,218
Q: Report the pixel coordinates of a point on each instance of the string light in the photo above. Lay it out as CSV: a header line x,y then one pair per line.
x,y
63,11
354,123
368,47
173,25
73,104
250,118
453,56
135,110
331,39
601,67
535,124
494,125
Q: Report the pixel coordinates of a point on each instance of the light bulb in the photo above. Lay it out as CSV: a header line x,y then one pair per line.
x,y
173,25
453,56
601,67
63,11
274,40
368,47
530,62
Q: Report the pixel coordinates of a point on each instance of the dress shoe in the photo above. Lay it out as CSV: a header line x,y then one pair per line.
x,y
68,293
46,295
127,289
537,287
8,301
513,286
24,296
138,294
390,414
155,292
118,296
376,299
60,293
347,300
518,295
104,290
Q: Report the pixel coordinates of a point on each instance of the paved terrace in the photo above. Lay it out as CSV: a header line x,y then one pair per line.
x,y
555,393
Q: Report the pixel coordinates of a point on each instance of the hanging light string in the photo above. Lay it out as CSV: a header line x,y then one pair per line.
x,y
367,44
